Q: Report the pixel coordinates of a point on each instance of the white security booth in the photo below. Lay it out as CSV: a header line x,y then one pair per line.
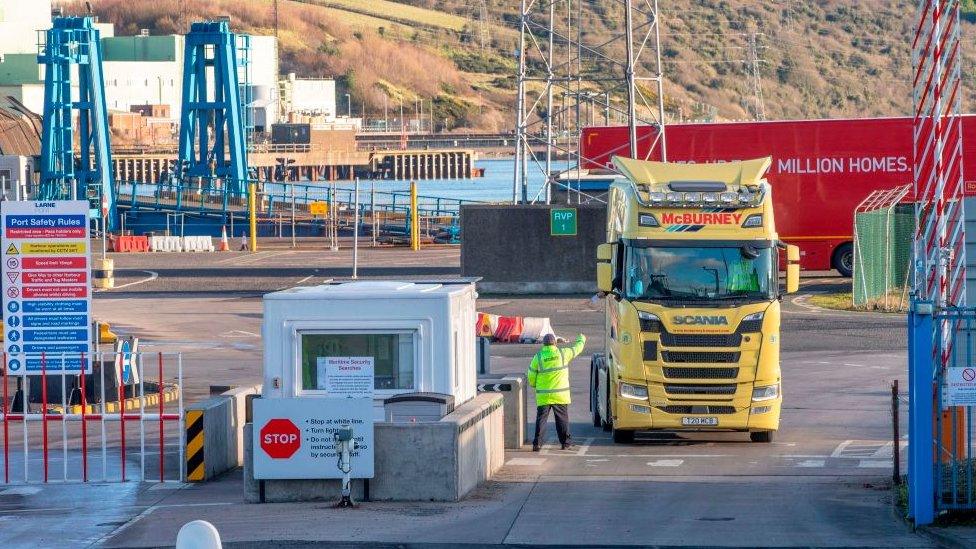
x,y
420,335
333,355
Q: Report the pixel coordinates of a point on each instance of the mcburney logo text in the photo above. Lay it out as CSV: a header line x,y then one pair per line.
x,y
691,218
698,319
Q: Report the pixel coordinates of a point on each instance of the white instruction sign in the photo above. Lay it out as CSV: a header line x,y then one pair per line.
x,y
345,376
960,387
294,437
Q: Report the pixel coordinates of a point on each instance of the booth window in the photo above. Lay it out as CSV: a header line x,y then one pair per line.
x,y
392,355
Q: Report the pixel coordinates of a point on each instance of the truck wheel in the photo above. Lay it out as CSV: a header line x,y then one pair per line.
x,y
606,422
597,422
761,436
623,437
843,259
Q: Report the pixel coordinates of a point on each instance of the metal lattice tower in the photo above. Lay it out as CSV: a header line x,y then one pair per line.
x,y
73,44
564,71
754,62
213,129
939,247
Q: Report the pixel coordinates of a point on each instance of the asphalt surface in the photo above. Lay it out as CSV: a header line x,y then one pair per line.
x,y
825,481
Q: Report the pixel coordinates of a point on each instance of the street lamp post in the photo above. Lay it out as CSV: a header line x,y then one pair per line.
x,y
349,105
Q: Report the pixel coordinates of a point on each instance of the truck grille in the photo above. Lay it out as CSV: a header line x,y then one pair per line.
x,y
650,325
749,326
699,356
674,389
701,373
684,409
700,340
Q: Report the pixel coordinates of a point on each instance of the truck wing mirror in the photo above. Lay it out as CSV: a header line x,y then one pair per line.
x,y
792,269
604,270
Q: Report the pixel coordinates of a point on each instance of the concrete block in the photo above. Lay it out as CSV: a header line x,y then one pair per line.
x,y
560,264
433,461
235,433
513,388
207,453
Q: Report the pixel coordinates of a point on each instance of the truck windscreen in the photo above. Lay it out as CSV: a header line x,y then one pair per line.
x,y
669,273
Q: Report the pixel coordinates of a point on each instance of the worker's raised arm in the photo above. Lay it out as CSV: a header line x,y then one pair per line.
x,y
533,370
570,353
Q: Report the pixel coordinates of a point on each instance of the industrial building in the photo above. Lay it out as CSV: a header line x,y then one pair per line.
x,y
138,70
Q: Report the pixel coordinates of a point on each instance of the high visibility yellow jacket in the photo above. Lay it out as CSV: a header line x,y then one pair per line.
x,y
549,372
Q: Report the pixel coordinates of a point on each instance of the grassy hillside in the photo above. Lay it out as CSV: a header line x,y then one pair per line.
x,y
822,58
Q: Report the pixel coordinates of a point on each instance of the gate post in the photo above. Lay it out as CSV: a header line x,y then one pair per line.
x,y
921,467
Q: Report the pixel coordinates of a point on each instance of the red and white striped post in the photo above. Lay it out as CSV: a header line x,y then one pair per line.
x,y
940,262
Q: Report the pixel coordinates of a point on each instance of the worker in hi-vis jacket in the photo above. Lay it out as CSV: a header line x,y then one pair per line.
x,y
549,375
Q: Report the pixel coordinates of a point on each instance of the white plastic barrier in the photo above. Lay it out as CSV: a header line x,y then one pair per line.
x,y
198,244
166,244
534,328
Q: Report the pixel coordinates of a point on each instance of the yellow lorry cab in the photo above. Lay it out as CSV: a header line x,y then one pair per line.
x,y
690,275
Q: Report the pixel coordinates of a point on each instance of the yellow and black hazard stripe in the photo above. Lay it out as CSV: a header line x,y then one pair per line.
x,y
194,445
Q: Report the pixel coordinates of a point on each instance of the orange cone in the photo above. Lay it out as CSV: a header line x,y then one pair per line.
x,y
224,245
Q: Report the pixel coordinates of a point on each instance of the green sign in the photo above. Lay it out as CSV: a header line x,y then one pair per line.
x,y
562,222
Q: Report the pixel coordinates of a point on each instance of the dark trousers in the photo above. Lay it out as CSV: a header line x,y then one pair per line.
x,y
561,412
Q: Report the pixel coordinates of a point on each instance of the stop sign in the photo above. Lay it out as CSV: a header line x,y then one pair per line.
x,y
280,438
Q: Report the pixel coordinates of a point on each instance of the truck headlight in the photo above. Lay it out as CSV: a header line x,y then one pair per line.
x,y
628,390
768,392
649,322
647,220
754,316
754,220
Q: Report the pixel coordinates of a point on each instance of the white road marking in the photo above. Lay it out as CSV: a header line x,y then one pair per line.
x,y
239,334
812,463
153,275
666,463
583,448
20,491
873,464
529,462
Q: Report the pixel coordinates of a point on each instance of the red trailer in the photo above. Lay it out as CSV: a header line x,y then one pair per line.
x,y
821,169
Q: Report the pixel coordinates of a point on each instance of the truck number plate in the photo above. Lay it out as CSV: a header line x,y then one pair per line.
x,y
699,421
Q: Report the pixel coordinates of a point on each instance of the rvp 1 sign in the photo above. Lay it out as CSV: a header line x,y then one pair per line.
x,y
562,222
960,386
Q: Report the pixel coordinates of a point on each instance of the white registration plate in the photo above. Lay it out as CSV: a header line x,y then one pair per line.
x,y
699,421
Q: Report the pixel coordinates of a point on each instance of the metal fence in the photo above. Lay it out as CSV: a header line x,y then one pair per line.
x,y
883,231
123,421
942,392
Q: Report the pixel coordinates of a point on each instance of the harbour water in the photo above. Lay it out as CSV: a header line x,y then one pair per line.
x,y
495,186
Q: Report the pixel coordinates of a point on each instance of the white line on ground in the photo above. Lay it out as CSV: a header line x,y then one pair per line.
x,y
666,463
812,463
873,464
20,491
528,462
153,275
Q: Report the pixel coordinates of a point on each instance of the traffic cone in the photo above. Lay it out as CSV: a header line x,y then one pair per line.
x,y
224,245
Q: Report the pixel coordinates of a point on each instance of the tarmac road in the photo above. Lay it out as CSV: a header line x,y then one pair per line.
x,y
823,482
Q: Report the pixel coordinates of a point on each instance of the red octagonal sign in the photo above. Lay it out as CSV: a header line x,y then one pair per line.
x,y
280,438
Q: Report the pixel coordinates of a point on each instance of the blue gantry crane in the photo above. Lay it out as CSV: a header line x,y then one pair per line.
x,y
213,134
75,42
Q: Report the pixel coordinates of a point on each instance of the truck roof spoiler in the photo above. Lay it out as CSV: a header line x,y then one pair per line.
x,y
742,177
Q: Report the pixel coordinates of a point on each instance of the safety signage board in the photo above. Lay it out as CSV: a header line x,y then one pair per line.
x,y
293,437
562,222
46,286
318,207
345,376
960,386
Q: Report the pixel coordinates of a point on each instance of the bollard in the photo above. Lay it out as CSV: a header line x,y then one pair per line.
x,y
198,534
414,219
102,273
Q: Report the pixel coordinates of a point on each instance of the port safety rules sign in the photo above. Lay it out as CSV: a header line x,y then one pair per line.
x,y
46,286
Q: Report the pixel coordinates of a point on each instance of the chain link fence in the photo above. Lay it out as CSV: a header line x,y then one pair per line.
x,y
883,233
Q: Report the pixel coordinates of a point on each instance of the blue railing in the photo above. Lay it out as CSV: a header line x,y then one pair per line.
x,y
209,197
